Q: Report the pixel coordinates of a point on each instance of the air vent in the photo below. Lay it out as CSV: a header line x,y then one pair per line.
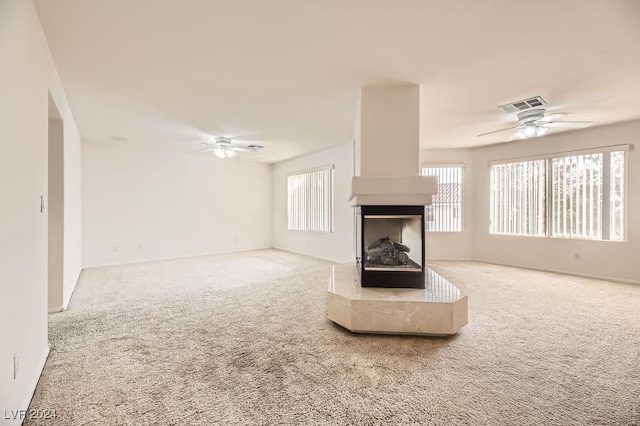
x,y
523,105
255,147
118,139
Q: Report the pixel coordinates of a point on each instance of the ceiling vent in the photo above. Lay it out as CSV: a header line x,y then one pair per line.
x,y
255,147
524,105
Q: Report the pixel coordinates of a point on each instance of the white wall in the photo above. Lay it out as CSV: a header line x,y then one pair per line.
x,y
337,246
617,260
27,75
453,245
55,286
156,204
72,263
605,259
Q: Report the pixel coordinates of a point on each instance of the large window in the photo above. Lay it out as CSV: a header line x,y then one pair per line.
x,y
518,198
445,212
568,196
310,200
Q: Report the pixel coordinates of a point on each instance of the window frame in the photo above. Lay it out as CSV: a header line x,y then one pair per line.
x,y
550,196
545,183
461,212
331,199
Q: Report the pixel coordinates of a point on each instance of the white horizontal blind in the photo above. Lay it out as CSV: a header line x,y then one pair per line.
x,y
445,212
518,198
577,187
310,200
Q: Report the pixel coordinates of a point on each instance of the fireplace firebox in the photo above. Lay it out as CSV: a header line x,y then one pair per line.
x,y
390,246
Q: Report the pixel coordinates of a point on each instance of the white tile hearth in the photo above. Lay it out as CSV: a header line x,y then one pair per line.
x,y
438,309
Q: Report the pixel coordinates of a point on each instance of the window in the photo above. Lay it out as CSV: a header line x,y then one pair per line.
x,y
518,198
310,200
445,212
570,196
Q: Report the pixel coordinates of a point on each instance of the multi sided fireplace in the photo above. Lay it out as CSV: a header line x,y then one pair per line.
x,y
390,246
389,198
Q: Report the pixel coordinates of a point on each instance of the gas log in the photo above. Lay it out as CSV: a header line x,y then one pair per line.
x,y
383,251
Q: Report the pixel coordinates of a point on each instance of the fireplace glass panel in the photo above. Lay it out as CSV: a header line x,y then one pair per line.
x,y
392,243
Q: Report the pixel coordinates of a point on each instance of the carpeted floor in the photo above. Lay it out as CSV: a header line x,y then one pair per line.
x,y
243,339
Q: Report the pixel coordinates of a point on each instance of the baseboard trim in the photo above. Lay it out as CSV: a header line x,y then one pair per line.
x,y
64,307
56,309
314,256
161,259
448,259
34,382
555,271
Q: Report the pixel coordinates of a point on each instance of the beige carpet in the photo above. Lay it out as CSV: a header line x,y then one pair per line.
x,y
243,339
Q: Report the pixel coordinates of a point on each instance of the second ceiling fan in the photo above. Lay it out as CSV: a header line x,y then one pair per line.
x,y
223,148
534,123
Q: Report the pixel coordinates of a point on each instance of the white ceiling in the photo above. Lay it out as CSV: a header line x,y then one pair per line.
x,y
286,73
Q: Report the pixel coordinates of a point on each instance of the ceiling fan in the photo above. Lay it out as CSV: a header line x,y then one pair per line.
x,y
223,149
534,123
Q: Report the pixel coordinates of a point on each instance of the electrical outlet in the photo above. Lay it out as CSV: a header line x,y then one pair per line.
x,y
115,249
16,365
576,256
139,247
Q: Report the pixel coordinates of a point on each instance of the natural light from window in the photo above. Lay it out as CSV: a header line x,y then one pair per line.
x,y
445,212
573,196
310,200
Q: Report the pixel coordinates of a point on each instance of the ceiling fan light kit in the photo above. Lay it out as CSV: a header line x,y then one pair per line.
x,y
225,153
530,131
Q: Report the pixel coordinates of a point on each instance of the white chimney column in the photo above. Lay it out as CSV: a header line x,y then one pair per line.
x,y
387,133
387,149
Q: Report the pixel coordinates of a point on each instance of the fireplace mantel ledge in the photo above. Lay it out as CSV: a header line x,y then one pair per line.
x,y
392,190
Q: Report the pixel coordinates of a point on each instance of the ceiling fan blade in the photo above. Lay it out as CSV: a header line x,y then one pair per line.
x,y
550,117
564,123
496,131
239,148
513,137
205,150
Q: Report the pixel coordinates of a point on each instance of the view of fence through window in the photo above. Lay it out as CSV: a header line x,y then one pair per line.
x,y
310,200
445,212
575,196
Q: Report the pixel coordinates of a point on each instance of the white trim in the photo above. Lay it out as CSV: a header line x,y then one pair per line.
x,y
162,259
444,165
556,271
449,259
339,262
559,154
64,307
34,382
315,169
